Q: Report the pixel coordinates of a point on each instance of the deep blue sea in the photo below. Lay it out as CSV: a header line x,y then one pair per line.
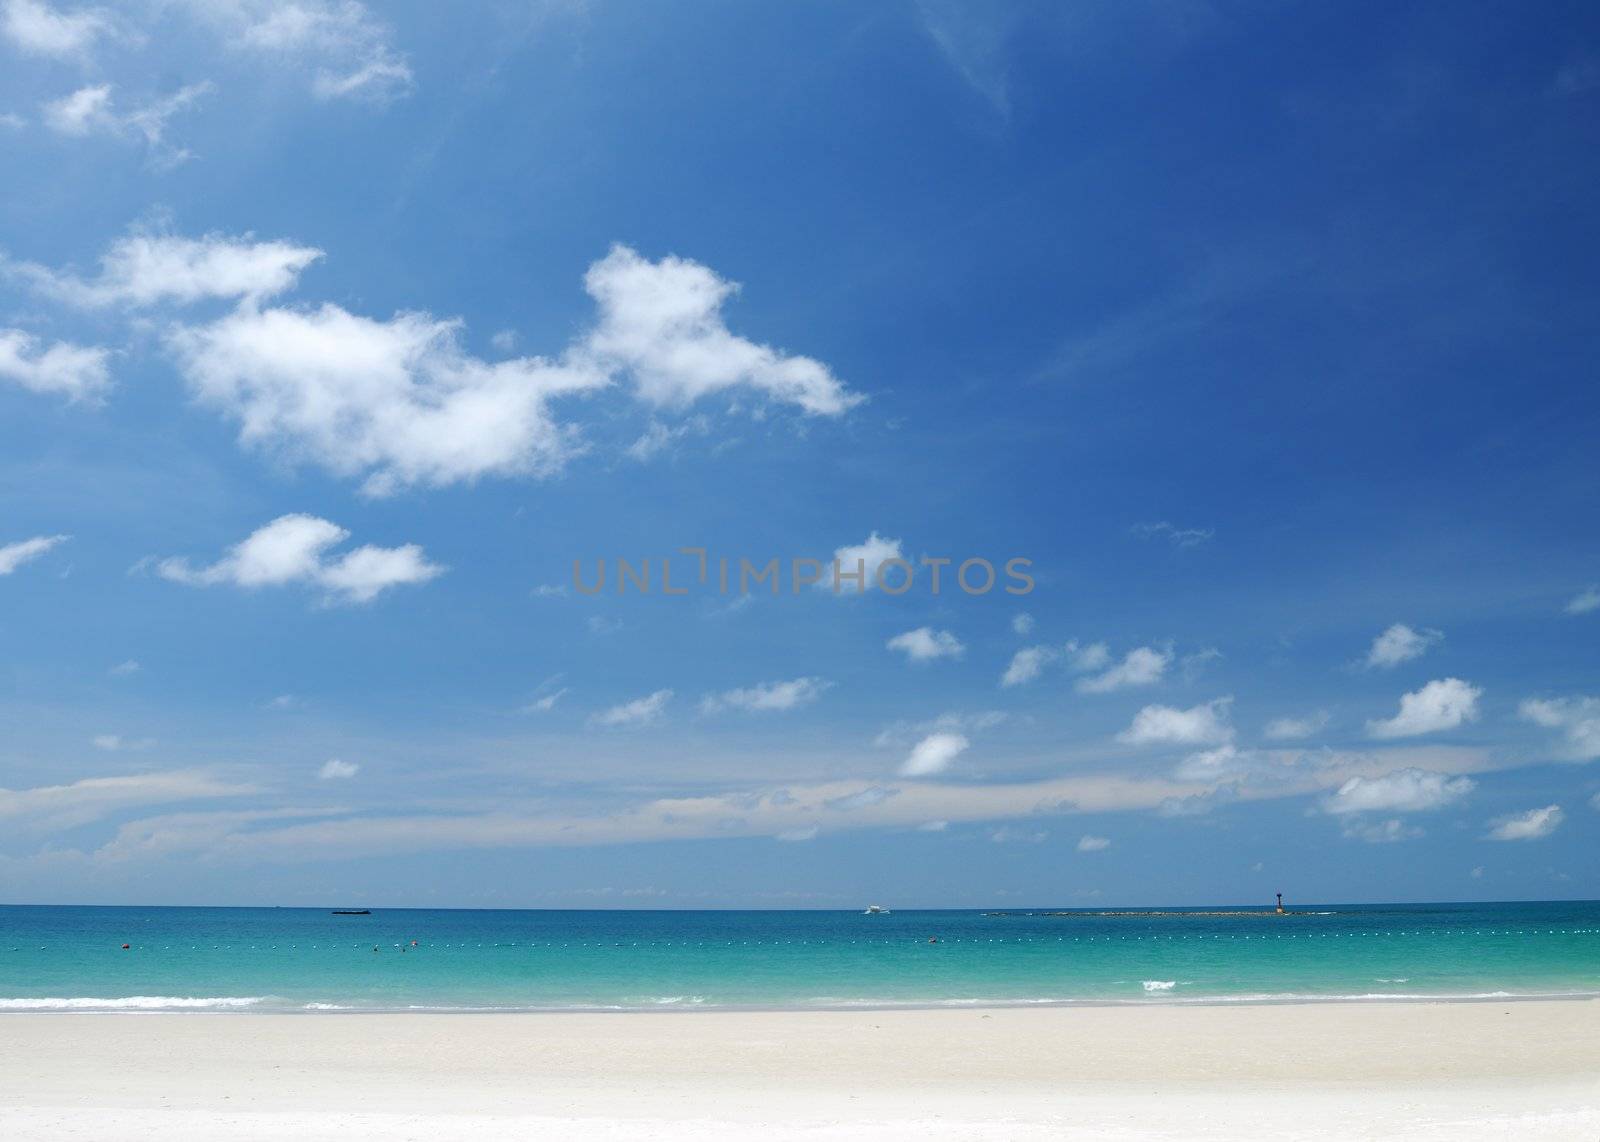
x,y
303,959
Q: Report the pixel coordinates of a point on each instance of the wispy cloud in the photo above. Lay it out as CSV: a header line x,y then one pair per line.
x,y
767,696
1180,537
1535,824
639,712
14,555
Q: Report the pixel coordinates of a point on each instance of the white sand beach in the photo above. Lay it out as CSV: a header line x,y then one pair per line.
x,y
1412,1071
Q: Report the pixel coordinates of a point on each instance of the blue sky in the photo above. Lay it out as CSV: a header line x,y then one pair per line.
x,y
332,335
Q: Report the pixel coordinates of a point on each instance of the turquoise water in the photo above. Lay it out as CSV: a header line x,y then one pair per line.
x,y
253,959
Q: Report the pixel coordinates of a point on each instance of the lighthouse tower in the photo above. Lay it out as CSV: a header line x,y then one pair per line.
x,y
1280,905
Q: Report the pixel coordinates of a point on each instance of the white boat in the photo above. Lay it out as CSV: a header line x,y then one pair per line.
x,y
874,910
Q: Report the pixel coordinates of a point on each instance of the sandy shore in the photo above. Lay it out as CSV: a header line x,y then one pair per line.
x,y
1435,1071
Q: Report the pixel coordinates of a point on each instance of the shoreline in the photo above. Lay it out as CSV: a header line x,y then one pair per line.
x,y
1415,1070
248,1005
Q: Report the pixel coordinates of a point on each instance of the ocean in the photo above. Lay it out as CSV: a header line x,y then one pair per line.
x,y
309,960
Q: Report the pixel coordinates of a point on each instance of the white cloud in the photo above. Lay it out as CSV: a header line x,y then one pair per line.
x,y
767,696
1022,624
1229,763
1178,536
1400,644
1142,666
14,555
1442,704
659,438
927,645
77,372
933,826
1293,729
113,743
1585,601
1027,664
545,703
398,402
861,799
401,403
934,754
349,52
125,669
39,29
662,322
1384,832
1092,844
808,833
335,770
1530,826
144,269
1013,835
1083,658
639,712
95,797
1205,724
292,549
93,111
863,559
1402,791
1578,719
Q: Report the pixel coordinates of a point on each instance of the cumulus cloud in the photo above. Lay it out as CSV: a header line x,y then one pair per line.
x,y
397,402
77,372
335,770
1205,724
400,403
858,566
1530,826
14,555
94,110
662,321
1022,624
1585,601
1578,719
1400,644
927,645
293,549
1442,704
1142,666
934,754
145,269
1293,729
1092,844
1403,791
1027,664
639,712
767,696
42,30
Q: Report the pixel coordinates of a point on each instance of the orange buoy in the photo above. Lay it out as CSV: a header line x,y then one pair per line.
x,y
124,947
